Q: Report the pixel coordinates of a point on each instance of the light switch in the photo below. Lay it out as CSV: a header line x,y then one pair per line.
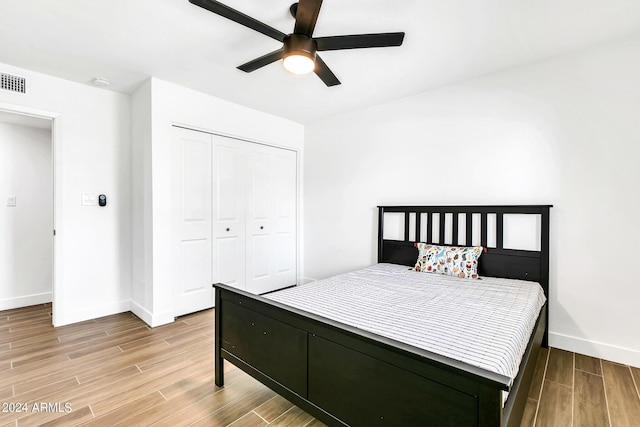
x,y
11,201
89,199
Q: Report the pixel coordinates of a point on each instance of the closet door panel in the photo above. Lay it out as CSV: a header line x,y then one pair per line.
x,y
228,164
192,221
227,263
285,260
196,267
271,219
285,214
259,219
260,261
229,212
259,193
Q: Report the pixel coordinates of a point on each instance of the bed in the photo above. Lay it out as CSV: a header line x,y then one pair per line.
x,y
344,374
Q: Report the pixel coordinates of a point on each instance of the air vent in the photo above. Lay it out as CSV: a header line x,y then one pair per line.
x,y
13,83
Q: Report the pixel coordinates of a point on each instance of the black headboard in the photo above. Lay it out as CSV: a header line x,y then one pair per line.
x,y
497,261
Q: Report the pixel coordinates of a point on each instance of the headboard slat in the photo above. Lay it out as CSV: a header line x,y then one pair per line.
x,y
483,229
418,225
454,233
407,220
499,230
441,224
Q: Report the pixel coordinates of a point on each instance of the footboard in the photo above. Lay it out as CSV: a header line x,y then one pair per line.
x,y
346,376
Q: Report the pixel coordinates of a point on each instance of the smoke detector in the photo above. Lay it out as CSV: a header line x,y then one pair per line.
x,y
101,82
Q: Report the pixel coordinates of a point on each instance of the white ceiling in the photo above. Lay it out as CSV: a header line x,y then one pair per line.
x,y
126,41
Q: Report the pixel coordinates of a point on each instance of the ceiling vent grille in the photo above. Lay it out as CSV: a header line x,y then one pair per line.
x,y
13,83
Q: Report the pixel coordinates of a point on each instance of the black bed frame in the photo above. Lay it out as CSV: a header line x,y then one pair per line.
x,y
346,376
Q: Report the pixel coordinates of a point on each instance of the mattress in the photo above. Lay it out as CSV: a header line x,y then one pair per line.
x,y
486,323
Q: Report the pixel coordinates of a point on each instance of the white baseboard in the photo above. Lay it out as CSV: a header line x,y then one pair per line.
x,y
25,301
151,319
626,356
66,318
142,313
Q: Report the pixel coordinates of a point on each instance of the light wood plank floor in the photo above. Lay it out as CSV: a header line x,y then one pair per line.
x,y
570,389
116,371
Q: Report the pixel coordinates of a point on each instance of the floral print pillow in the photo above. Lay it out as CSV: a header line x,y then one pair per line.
x,y
458,261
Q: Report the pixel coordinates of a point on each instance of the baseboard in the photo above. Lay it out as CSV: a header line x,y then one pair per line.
x,y
149,318
626,356
68,317
25,301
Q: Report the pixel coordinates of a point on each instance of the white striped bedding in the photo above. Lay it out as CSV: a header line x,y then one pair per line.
x,y
486,323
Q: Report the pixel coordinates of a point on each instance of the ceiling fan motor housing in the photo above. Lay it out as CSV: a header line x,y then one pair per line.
x,y
300,44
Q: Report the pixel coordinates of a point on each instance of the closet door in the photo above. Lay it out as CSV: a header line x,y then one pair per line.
x,y
229,230
234,217
191,221
285,217
271,218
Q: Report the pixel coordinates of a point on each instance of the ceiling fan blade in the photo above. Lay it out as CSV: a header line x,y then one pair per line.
x,y
306,16
262,61
239,17
325,74
359,41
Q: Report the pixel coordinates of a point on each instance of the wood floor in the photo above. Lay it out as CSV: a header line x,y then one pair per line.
x,y
116,371
571,389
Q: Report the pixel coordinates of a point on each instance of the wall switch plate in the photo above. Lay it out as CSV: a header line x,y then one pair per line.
x,y
11,201
89,199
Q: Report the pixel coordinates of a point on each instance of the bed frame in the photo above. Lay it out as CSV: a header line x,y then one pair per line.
x,y
346,376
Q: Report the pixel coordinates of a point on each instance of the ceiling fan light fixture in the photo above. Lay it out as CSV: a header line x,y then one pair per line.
x,y
298,63
299,54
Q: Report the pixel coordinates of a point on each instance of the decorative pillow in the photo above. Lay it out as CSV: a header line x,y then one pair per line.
x,y
458,261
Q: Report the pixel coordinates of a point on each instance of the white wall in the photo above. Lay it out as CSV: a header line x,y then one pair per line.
x,y
171,104
564,131
26,246
142,218
92,154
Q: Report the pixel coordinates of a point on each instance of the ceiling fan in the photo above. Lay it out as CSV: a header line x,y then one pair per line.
x,y
299,50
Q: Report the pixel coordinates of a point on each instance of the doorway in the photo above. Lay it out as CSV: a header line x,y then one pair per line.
x,y
26,209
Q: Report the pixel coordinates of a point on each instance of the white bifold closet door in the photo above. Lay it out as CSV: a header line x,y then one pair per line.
x,y
270,218
191,179
229,227
235,217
